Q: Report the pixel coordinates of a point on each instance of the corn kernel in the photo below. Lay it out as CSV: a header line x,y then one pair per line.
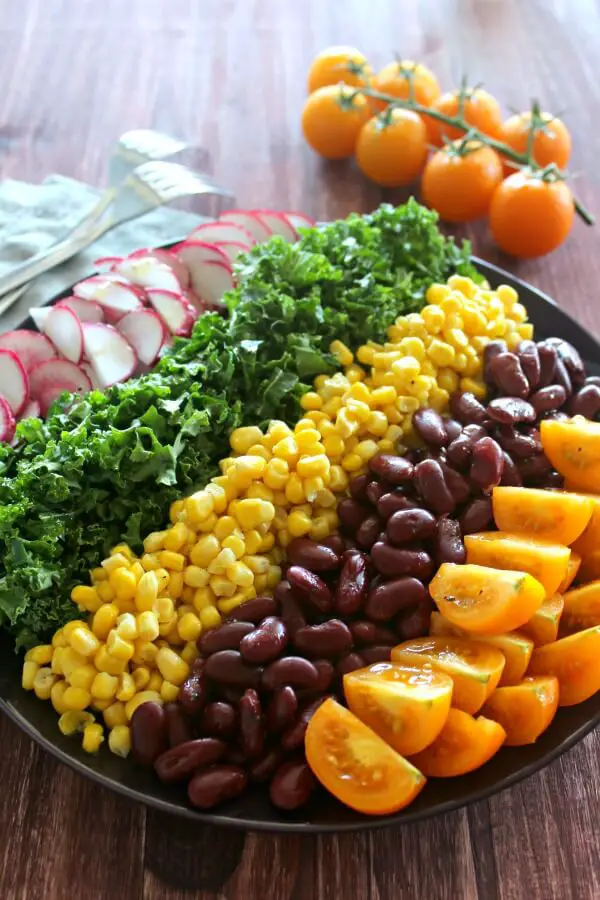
x,y
82,676
98,574
126,687
243,438
119,648
338,480
205,549
154,541
474,387
115,715
175,588
30,670
311,400
267,543
146,592
59,639
86,597
209,617
298,524
119,740
114,562
228,604
127,627
104,686
171,666
253,513
74,721
448,380
170,560
141,677
352,462
176,536
76,698
221,586
169,692
57,694
70,659
189,627
147,625
203,597
143,697
190,652
176,511
104,662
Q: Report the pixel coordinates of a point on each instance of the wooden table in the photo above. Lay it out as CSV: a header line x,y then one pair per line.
x,y
229,75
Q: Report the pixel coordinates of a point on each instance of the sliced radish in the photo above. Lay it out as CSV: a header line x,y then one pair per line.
x,y
248,220
7,421
112,357
194,253
145,332
175,311
196,302
31,411
107,262
222,231
30,347
89,371
298,220
277,224
49,379
13,381
169,258
39,314
210,280
85,310
232,249
63,328
148,272
115,297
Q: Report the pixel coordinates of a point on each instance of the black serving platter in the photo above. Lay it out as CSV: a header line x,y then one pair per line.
x,y
253,811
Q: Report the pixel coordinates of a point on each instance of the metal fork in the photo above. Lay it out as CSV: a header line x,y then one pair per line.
x,y
147,187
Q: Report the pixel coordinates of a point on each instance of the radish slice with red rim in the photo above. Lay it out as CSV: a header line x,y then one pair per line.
x,y
298,220
145,332
85,310
115,297
51,378
14,382
211,280
30,346
277,224
64,329
175,310
196,302
194,253
31,411
249,221
222,231
107,262
7,421
232,249
112,357
169,258
148,272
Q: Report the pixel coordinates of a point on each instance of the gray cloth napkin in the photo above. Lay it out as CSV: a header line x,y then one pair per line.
x,y
34,216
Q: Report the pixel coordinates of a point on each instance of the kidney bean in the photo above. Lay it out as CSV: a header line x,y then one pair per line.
x,y
215,785
228,667
293,670
394,469
349,663
292,785
448,544
453,428
548,357
224,637
549,398
358,487
335,543
293,737
254,610
551,480
252,726
510,474
387,599
179,730
477,516
309,588
235,756
291,612
393,502
263,769
326,674
507,374
180,763
393,561
353,584
366,634
562,377
415,623
376,653
228,694
571,359
586,402
516,443
375,489
351,514
329,639
301,551
149,736
511,410
491,350
529,357
194,692
367,532
218,720
467,409
456,483
430,482
459,451
410,525
487,463
429,425
534,468
282,709
266,642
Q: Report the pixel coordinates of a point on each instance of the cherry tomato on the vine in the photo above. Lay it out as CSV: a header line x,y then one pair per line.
x,y
531,215
551,144
337,64
332,118
459,180
396,78
392,147
480,110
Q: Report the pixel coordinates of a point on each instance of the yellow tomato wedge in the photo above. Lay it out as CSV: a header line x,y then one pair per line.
x,y
590,567
551,515
544,560
464,744
482,600
524,710
575,661
405,705
572,570
573,448
589,541
514,646
475,667
543,626
356,766
581,608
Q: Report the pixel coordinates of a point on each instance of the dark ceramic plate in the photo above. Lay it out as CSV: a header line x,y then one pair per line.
x,y
253,811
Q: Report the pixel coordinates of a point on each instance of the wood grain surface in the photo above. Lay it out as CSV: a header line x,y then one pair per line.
x,y
229,76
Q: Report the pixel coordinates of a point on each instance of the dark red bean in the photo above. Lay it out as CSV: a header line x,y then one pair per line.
x,y
255,610
516,443
309,588
353,584
282,709
394,469
507,374
218,720
535,468
292,670
448,544
477,516
197,667
326,674
358,487
510,474
366,634
328,640
456,484
291,611
252,726
301,551
487,463
149,736
415,624
215,785
228,694
562,377
393,502
586,402
453,428
552,480
375,489
529,357
367,532
571,358
430,482
349,663
410,525
235,756
429,425
375,654
292,785
351,513
228,667
491,350
511,410
548,399
459,451
179,729
224,637
266,643
335,543
548,358
180,763
293,737
393,561
194,693
467,409
263,769
387,599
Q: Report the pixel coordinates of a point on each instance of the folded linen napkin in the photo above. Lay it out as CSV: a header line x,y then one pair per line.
x,y
34,216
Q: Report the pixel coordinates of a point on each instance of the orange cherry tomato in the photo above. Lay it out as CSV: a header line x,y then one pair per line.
x,y
355,765
332,118
581,608
575,660
483,600
551,144
475,667
392,148
590,567
573,448
464,744
543,626
458,182
405,705
544,560
337,64
572,570
524,710
589,542
530,216
480,110
551,515
396,78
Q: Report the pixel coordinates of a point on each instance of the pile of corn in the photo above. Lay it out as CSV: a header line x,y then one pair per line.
x,y
225,542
